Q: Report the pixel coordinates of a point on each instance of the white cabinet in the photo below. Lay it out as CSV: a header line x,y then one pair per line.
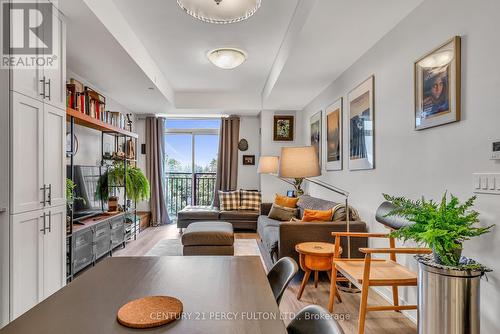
x,y
27,153
45,83
38,159
54,155
55,78
37,257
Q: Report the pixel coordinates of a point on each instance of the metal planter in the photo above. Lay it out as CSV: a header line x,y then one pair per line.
x,y
448,300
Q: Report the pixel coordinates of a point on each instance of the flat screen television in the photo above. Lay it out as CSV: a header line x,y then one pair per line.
x,y
86,179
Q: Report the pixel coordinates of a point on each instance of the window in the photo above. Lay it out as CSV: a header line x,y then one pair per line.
x,y
191,149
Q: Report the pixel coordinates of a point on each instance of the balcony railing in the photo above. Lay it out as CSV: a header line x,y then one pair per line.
x,y
184,189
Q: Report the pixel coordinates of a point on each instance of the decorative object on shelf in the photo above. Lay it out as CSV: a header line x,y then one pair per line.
x,y
227,58
220,11
447,280
68,144
130,149
283,129
138,313
361,126
249,160
243,145
438,86
129,122
333,135
290,193
113,203
315,134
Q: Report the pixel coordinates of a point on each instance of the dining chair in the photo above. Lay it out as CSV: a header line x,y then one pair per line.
x,y
314,319
370,272
280,275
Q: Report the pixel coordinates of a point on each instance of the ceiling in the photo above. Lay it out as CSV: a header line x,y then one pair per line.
x,y
295,49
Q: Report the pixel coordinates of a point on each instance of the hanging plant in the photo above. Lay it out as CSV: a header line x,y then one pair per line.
x,y
135,181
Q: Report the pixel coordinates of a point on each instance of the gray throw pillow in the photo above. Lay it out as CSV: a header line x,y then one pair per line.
x,y
282,213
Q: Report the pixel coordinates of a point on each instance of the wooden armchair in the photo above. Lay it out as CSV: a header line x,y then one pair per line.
x,y
367,272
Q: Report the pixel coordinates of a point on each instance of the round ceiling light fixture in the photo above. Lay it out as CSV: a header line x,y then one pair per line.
x,y
227,58
220,11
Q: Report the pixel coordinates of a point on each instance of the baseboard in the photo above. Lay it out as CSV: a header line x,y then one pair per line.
x,y
407,314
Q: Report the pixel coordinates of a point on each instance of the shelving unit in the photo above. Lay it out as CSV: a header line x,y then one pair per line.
x,y
129,213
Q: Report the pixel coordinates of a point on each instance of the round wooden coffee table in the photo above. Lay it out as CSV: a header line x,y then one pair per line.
x,y
314,256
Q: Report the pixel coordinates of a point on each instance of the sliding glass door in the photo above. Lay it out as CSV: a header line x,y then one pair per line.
x,y
191,165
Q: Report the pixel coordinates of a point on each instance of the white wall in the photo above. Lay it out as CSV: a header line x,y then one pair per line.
x,y
414,163
270,184
248,178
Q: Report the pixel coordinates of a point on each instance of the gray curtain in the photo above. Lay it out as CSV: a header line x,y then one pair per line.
x,y
155,128
227,166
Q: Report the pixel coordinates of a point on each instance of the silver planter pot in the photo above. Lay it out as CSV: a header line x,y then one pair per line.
x,y
448,300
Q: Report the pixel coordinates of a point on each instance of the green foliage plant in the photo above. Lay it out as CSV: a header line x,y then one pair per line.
x,y
137,184
442,226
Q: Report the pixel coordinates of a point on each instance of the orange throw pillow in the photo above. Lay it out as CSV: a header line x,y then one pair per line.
x,y
287,202
317,215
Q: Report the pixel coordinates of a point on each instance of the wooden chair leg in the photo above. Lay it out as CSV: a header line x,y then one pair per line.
x,y
333,289
316,275
303,285
395,297
363,305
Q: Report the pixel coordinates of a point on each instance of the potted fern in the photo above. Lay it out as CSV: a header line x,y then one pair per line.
x,y
117,175
448,282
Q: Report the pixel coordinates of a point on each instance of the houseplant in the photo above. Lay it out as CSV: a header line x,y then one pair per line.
x,y
132,177
448,283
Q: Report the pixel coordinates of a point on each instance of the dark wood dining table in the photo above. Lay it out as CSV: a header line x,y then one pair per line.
x,y
220,294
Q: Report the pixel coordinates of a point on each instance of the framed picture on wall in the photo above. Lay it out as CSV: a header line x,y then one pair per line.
x,y
437,86
249,160
361,126
283,128
333,136
316,133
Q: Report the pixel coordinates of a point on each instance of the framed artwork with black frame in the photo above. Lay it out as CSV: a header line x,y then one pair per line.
x,y
362,126
438,86
283,128
249,160
316,133
333,136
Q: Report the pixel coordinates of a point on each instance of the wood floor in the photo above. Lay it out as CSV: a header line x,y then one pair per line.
x,y
346,312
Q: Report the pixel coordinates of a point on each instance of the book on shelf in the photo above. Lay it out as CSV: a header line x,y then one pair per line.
x,y
90,102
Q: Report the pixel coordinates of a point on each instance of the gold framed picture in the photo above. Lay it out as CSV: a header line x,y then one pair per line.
x,y
438,86
283,128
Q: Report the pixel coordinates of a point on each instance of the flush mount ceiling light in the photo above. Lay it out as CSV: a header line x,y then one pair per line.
x,y
220,11
227,58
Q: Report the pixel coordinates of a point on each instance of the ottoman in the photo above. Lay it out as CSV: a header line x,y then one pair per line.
x,y
208,238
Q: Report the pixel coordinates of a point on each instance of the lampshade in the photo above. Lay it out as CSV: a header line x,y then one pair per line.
x,y
268,165
299,162
220,11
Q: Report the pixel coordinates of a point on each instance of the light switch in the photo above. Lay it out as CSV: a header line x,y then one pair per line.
x,y
486,183
491,183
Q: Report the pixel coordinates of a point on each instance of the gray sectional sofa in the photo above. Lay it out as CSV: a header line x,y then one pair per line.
x,y
240,219
279,238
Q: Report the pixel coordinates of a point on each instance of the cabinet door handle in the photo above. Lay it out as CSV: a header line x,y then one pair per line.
x,y
49,201
50,221
48,95
44,195
44,221
42,94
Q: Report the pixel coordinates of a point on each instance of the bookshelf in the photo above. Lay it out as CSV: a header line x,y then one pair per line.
x,y
93,123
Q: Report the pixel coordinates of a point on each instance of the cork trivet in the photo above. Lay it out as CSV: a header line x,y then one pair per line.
x,y
149,312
